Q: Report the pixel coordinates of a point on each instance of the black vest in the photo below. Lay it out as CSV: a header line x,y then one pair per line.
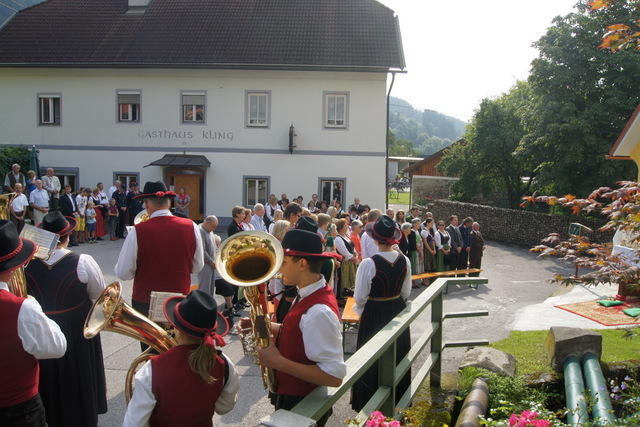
x,y
349,245
389,276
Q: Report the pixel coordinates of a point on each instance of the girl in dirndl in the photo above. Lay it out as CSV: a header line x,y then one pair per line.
x,y
349,264
383,284
443,244
428,237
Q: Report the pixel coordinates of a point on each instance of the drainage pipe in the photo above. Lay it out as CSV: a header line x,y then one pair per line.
x,y
602,410
474,405
574,391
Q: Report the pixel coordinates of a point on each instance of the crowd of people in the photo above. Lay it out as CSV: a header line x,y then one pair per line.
x,y
329,253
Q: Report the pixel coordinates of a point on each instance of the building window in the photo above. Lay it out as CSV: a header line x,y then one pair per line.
x,y
128,106
331,189
256,190
49,110
257,109
126,178
336,108
193,104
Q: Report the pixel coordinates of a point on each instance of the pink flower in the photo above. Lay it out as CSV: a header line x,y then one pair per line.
x,y
541,423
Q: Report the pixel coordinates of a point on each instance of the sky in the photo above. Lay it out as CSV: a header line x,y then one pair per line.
x,y
461,51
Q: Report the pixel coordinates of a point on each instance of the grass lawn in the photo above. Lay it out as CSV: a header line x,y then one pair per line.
x,y
395,198
528,348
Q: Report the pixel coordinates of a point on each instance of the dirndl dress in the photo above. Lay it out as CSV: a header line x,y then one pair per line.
x,y
384,304
73,388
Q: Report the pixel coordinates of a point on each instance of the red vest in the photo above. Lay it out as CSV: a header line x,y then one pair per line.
x,y
291,344
182,397
20,369
166,245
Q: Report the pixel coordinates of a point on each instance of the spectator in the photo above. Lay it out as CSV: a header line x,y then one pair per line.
x,y
246,222
323,223
258,218
314,204
356,204
443,247
429,241
237,217
356,230
277,216
121,201
90,217
19,206
82,198
205,276
339,211
332,212
400,217
31,185
101,213
292,213
405,238
271,208
116,185
284,202
369,245
134,203
39,202
353,213
465,233
345,247
113,214
476,248
456,242
51,183
69,209
103,197
414,212
182,202
12,177
391,213
323,207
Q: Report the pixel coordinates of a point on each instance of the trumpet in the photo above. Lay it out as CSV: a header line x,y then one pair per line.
x,y
111,313
249,259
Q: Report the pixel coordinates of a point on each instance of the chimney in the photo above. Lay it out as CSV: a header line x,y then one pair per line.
x,y
138,6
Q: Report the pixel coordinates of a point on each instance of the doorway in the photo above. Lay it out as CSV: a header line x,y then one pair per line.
x,y
193,183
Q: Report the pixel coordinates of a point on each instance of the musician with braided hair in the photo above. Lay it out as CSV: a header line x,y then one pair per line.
x,y
185,385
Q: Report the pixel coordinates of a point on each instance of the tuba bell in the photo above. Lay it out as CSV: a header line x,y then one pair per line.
x,y
111,313
249,259
18,283
142,216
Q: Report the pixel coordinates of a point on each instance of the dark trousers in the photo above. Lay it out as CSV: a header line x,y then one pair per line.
x,y
453,259
142,308
285,401
18,222
122,222
463,259
475,261
26,414
54,203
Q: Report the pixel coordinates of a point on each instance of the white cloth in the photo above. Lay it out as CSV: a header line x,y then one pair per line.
x,y
128,258
110,192
342,248
19,203
103,198
322,334
258,223
52,185
39,198
88,271
368,245
81,203
247,226
270,211
367,271
143,401
438,238
41,337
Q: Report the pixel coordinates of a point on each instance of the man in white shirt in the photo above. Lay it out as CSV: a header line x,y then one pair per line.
x,y
368,245
39,202
51,183
116,184
257,220
26,335
19,206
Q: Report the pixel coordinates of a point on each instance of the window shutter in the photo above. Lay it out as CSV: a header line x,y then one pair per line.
x,y
128,98
192,99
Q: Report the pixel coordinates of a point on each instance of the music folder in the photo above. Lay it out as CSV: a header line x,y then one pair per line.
x,y
46,240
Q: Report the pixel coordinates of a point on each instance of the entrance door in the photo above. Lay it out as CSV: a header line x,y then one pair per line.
x,y
190,181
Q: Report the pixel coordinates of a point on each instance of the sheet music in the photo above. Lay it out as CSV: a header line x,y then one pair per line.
x,y
156,306
46,240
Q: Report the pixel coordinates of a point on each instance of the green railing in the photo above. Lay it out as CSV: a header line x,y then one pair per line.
x,y
382,347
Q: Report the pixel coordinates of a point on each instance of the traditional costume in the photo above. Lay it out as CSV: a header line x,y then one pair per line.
x,y
160,254
73,388
167,391
442,244
383,283
348,266
26,335
475,253
311,331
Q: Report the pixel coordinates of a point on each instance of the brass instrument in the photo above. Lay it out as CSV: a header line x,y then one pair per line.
x,y
248,259
18,283
142,216
111,313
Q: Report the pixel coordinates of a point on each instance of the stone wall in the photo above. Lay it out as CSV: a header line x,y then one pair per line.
x,y
435,187
518,227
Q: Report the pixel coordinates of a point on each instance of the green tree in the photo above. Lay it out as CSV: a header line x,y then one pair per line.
x,y
9,156
584,96
400,147
488,163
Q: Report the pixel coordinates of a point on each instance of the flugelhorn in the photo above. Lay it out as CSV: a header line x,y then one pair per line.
x,y
249,259
111,313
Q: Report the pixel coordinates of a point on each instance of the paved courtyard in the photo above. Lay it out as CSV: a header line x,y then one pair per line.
x,y
517,279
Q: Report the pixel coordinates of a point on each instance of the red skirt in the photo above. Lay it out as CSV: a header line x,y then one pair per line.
x,y
100,228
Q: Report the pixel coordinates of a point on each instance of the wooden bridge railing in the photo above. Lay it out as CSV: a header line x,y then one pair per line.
x,y
382,347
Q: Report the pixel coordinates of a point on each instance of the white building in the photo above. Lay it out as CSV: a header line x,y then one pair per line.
x,y
230,100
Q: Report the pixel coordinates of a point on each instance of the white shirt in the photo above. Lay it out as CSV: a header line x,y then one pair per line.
x,y
438,238
342,248
19,203
51,184
258,223
247,226
110,192
367,271
143,401
40,198
322,334
368,245
41,337
88,271
128,258
104,200
81,203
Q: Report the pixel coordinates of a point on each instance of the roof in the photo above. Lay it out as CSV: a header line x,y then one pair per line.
x,y
405,159
8,8
275,34
182,160
629,138
435,156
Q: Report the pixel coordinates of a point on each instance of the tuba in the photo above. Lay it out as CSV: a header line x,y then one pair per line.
x,y
142,216
111,313
249,259
18,283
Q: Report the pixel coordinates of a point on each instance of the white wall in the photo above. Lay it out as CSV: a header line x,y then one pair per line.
x,y
89,121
